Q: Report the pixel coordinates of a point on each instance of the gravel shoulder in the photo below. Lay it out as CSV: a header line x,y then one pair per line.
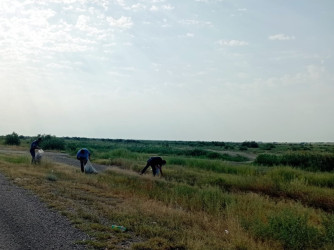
x,y
26,222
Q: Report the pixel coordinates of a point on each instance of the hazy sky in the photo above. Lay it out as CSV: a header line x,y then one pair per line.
x,y
216,70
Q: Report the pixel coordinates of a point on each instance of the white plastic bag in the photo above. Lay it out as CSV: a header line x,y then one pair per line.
x,y
89,169
38,156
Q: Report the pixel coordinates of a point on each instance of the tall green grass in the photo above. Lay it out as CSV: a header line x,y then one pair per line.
x,y
212,165
292,229
312,161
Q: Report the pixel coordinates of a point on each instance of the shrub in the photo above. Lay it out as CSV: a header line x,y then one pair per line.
x,y
267,160
52,142
250,144
213,155
12,139
267,146
72,147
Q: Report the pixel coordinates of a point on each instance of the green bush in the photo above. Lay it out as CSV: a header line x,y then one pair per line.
x,y
250,144
213,155
12,139
267,160
52,142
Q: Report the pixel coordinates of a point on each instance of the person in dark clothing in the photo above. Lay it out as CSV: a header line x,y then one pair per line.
x,y
156,163
34,145
83,155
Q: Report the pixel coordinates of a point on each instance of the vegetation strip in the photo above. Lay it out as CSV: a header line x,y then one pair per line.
x,y
203,203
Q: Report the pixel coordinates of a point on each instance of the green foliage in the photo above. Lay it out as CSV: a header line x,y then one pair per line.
x,y
250,144
211,165
17,160
328,223
267,160
293,230
52,142
207,150
312,161
12,139
267,146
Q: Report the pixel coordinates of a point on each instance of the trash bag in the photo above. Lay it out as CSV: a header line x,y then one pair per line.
x,y
89,169
38,156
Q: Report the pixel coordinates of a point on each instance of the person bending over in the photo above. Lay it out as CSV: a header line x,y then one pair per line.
x,y
156,163
83,156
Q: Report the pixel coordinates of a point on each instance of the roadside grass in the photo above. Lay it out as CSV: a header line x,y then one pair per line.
x,y
11,159
191,209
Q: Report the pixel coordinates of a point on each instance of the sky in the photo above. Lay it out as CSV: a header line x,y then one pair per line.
x,y
190,70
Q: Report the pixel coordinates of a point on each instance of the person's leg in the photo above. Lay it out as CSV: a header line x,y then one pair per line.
x,y
32,152
157,171
154,170
147,165
82,165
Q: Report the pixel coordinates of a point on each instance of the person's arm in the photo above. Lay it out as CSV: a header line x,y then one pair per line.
x,y
35,146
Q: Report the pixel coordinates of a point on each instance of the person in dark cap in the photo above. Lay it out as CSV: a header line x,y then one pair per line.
x,y
83,155
156,163
34,145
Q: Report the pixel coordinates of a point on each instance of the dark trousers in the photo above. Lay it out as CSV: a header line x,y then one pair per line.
x,y
32,152
149,163
83,162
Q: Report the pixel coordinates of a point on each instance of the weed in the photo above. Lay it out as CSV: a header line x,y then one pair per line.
x,y
51,177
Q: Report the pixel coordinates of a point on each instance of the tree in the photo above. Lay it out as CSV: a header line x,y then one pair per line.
x,y
12,139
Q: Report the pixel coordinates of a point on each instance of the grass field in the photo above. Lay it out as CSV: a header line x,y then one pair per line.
x,y
214,195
